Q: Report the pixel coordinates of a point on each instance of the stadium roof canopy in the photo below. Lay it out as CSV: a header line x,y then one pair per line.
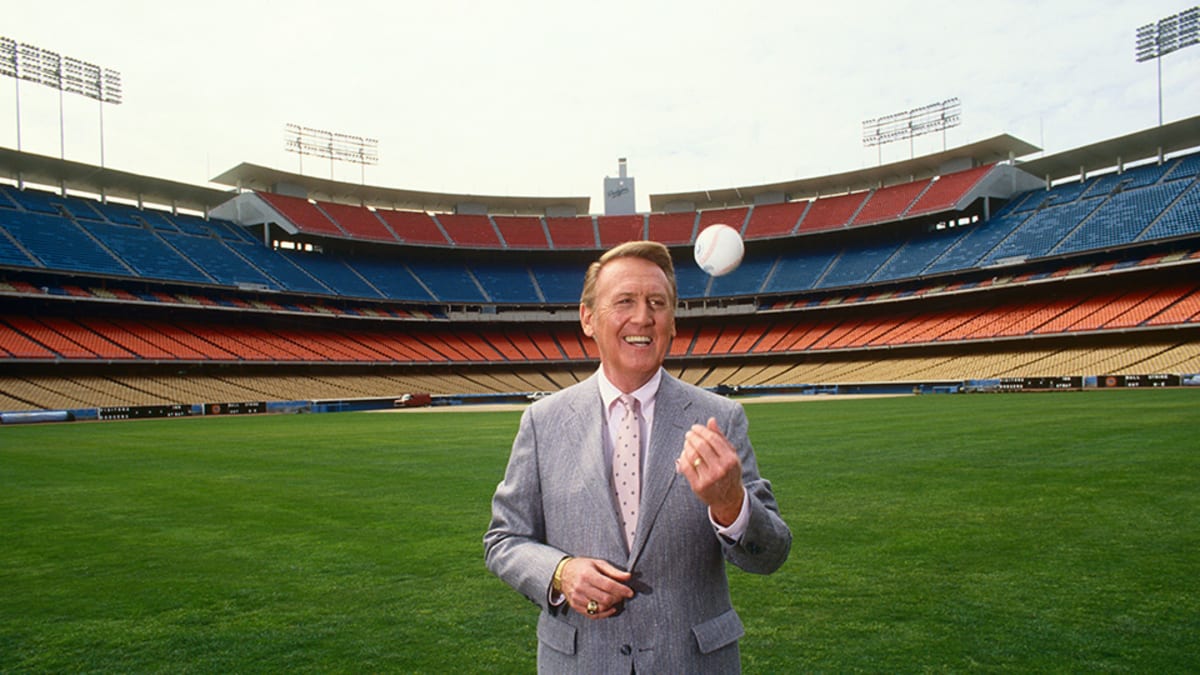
x,y
995,149
253,177
24,167
1148,143
1153,142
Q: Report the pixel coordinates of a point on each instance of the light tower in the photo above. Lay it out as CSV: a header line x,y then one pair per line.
x,y
1156,40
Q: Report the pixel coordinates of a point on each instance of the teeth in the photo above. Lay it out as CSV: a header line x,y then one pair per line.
x,y
637,339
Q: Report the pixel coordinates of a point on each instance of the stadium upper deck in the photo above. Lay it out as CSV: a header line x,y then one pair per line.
x,y
900,231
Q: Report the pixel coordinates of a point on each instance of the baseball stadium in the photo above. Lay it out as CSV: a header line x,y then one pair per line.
x,y
972,375
966,269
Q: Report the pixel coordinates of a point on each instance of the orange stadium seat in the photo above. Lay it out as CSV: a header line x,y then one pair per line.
x,y
731,332
500,342
774,335
569,339
117,332
19,345
545,342
1185,310
682,344
706,337
746,341
60,344
1148,307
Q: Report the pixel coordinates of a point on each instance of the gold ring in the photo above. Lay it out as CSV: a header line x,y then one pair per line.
x,y
592,607
696,462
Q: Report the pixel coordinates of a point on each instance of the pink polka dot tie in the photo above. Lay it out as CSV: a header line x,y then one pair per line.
x,y
627,451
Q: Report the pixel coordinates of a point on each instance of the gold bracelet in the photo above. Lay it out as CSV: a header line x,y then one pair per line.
x,y
556,583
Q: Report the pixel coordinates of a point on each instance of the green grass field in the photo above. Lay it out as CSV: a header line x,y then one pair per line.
x,y
1017,533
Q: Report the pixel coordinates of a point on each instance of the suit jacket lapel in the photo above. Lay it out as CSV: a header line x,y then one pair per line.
x,y
658,477
587,431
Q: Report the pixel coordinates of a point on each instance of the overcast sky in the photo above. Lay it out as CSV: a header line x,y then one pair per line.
x,y
541,97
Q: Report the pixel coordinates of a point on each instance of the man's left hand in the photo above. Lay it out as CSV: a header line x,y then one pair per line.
x,y
712,467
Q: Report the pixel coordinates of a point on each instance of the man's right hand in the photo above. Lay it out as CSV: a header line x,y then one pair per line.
x,y
588,580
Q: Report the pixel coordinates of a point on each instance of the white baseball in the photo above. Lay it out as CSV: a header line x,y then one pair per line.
x,y
718,250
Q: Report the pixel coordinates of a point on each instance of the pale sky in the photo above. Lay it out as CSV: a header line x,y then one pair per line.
x,y
540,97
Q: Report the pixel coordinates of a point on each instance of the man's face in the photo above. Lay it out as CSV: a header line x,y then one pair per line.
x,y
633,321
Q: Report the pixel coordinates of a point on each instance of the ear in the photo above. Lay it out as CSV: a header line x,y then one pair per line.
x,y
585,320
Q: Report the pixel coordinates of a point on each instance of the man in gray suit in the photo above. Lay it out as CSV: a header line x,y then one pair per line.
x,y
629,571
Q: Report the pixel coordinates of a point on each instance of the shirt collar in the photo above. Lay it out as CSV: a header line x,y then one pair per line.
x,y
644,394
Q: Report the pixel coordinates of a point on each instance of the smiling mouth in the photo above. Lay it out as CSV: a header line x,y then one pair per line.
x,y
637,340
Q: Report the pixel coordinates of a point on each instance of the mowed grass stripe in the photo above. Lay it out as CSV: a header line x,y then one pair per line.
x,y
940,533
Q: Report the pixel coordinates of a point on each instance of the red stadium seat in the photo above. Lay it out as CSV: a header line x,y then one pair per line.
x,y
829,213
619,229
672,228
947,190
358,221
889,203
470,230
522,231
303,214
413,227
568,233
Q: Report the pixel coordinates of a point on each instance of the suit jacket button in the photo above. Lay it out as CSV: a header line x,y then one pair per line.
x,y
626,650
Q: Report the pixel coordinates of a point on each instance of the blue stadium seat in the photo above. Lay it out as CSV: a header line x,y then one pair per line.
x,y
391,277
856,264
1187,167
60,244
975,243
1042,231
147,254
7,202
333,272
506,282
120,214
279,268
80,209
1182,218
747,279
1026,201
1122,218
221,228
217,260
33,200
561,282
198,226
10,254
800,271
449,282
691,281
916,254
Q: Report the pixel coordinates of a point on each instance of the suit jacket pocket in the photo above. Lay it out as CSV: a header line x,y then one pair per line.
x,y
555,634
718,632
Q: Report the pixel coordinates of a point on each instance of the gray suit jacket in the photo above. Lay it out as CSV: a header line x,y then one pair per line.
x,y
556,500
